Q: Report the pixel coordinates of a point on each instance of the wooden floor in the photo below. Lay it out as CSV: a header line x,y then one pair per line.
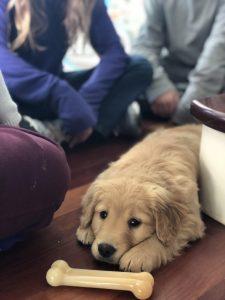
x,y
199,273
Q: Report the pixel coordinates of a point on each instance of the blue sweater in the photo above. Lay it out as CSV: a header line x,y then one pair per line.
x,y
33,76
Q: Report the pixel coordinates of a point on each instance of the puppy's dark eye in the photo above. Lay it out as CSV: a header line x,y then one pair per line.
x,y
132,223
103,214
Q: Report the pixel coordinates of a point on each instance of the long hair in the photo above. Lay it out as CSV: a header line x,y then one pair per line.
x,y
29,20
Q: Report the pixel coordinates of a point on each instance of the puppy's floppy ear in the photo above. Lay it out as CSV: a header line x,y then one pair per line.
x,y
88,204
84,232
168,219
167,212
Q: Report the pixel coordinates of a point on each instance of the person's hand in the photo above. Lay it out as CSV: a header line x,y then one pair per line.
x,y
81,137
166,104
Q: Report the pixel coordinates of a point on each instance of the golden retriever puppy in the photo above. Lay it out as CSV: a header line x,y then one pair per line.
x,y
144,209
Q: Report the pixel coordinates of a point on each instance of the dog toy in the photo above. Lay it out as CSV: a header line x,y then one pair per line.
x,y
140,284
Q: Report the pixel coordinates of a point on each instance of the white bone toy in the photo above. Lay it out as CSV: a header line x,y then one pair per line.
x,y
140,284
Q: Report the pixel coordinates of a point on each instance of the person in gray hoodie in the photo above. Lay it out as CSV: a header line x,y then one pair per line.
x,y
185,43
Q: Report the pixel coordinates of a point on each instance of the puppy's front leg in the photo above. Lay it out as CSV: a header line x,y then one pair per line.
x,y
146,256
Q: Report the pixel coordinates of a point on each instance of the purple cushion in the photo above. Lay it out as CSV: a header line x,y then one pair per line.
x,y
34,177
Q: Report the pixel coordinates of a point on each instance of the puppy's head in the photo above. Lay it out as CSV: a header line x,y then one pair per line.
x,y
122,213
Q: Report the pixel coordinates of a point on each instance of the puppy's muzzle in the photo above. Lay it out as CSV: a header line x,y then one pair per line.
x,y
106,250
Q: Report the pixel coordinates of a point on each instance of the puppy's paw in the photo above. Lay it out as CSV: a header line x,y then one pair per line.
x,y
85,236
136,261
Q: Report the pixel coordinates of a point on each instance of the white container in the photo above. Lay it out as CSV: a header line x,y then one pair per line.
x,y
212,173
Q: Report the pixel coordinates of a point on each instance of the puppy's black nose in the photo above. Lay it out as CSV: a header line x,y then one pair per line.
x,y
106,250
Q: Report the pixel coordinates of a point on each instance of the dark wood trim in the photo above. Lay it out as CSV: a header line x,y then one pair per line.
x,y
210,111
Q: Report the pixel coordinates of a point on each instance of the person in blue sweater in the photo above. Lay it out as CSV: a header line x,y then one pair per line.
x,y
34,37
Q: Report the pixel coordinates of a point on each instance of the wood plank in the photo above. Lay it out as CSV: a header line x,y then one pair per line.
x,y
72,201
89,160
216,293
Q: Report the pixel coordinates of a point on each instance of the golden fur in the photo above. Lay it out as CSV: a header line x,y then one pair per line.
x,y
155,183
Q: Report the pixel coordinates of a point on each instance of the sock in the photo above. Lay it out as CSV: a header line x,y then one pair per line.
x,y
9,114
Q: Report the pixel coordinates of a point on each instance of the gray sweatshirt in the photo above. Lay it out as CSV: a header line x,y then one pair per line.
x,y
193,34
9,114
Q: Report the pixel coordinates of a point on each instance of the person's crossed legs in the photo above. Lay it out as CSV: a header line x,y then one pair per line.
x,y
125,90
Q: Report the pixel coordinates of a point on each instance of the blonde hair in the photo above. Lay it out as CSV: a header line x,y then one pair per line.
x,y
29,20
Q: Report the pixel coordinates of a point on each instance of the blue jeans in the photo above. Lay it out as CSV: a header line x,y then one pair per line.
x,y
136,78
134,81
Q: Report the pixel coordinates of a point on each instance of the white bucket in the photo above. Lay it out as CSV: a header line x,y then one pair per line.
x,y
212,174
